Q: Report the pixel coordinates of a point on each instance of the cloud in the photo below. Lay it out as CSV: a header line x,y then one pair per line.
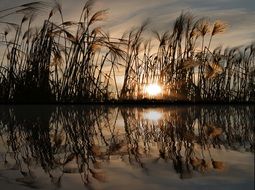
x,y
237,13
123,15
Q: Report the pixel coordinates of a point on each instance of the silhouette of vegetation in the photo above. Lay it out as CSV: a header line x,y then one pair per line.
x,y
66,62
81,140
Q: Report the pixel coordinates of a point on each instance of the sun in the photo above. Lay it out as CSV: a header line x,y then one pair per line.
x,y
153,89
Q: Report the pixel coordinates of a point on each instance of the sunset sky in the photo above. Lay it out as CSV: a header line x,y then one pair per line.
x,y
123,15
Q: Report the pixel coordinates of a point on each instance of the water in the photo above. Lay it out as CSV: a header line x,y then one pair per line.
x,y
99,147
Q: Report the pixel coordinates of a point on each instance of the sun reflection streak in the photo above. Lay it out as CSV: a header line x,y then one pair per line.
x,y
152,115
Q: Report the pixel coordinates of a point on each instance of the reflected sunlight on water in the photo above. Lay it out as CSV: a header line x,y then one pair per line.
x,y
65,147
153,115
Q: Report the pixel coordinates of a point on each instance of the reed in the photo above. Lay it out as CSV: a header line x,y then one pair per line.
x,y
69,62
64,140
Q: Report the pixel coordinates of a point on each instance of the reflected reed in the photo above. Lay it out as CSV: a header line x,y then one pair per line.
x,y
80,140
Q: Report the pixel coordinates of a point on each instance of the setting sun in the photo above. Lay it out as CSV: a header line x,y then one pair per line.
x,y
153,89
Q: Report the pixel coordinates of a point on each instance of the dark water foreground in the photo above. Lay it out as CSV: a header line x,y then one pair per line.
x,y
100,147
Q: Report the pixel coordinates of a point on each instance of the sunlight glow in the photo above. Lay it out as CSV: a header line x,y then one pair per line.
x,y
153,89
153,115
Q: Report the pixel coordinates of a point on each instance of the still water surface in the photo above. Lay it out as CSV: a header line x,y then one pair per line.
x,y
99,147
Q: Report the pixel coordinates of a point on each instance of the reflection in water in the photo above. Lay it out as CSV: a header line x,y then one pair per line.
x,y
152,115
80,140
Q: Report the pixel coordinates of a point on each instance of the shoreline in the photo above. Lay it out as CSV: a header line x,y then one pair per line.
x,y
135,103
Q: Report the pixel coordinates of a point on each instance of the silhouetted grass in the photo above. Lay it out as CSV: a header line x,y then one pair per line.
x,y
66,62
80,139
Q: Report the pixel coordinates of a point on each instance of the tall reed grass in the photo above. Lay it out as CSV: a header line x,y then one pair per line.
x,y
65,140
69,62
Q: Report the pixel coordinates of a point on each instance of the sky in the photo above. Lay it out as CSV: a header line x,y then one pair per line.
x,y
125,14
